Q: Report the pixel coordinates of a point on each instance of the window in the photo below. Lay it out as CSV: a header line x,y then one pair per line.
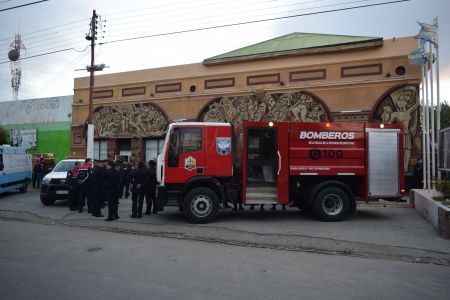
x,y
182,141
191,140
2,166
100,149
153,148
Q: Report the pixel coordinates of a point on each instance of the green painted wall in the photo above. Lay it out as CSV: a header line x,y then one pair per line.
x,y
51,137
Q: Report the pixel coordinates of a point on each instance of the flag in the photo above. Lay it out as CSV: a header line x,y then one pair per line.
x,y
418,57
428,32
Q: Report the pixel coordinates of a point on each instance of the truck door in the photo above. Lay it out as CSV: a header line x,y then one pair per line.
x,y
185,154
265,171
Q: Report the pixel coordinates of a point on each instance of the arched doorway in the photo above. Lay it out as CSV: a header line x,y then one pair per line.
x,y
401,106
295,106
124,130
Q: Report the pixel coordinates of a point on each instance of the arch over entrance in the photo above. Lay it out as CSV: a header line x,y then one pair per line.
x,y
400,105
295,106
129,120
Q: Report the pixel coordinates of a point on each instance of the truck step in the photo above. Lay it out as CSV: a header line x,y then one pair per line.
x,y
261,195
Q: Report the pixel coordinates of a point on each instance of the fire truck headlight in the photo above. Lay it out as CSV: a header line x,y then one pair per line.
x,y
327,124
270,124
381,125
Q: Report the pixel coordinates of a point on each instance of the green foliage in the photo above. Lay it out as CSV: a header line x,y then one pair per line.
x,y
445,115
4,136
443,187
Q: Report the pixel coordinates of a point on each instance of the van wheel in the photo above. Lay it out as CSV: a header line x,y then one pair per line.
x,y
24,188
201,205
47,201
331,204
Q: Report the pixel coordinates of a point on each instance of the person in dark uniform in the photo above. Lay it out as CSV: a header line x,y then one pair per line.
x,y
138,179
97,189
111,184
38,172
72,182
150,188
84,183
125,175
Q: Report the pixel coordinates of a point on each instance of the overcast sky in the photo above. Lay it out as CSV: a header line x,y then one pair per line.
x,y
56,25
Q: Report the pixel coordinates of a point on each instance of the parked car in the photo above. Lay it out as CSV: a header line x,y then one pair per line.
x,y
53,186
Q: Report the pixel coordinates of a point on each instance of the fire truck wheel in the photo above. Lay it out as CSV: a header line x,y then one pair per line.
x,y
331,204
201,205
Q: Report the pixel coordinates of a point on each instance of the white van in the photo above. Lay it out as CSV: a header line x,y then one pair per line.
x,y
15,169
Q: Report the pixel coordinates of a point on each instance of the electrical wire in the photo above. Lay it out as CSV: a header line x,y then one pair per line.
x,y
222,26
255,21
26,4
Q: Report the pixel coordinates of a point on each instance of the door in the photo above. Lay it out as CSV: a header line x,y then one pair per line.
x,y
265,171
185,154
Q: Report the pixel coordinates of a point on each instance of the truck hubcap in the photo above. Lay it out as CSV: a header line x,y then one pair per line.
x,y
332,204
201,205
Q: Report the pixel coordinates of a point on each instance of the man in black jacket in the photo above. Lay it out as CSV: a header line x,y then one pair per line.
x,y
125,176
97,183
138,178
111,184
150,188
72,182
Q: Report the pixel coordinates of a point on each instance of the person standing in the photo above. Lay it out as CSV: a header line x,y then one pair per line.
x,y
125,175
38,171
72,182
138,179
111,184
84,183
150,188
97,189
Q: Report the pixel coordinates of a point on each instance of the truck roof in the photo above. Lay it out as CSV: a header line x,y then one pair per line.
x,y
199,124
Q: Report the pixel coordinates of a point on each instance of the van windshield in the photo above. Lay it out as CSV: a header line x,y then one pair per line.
x,y
64,166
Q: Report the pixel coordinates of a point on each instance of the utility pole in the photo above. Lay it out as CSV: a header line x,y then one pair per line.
x,y
91,36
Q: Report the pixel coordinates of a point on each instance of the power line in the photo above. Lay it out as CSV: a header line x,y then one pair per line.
x,y
43,54
255,21
18,6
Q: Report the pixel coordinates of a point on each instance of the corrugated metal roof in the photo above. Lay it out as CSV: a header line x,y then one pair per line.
x,y
291,42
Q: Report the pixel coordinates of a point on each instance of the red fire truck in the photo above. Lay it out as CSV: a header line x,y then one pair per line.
x,y
320,167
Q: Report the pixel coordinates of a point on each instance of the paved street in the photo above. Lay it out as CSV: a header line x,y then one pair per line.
x,y
54,262
381,253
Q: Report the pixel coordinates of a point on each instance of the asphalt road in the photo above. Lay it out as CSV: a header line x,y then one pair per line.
x,y
59,262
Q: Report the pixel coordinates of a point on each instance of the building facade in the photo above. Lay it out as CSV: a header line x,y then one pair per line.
x,y
297,77
42,125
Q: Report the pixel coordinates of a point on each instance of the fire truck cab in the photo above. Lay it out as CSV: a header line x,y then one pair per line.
x,y
318,167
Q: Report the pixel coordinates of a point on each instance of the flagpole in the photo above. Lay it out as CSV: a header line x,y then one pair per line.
x,y
438,98
432,121
424,159
427,128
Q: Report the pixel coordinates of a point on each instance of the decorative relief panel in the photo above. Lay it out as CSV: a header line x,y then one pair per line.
x,y
401,106
129,120
295,106
263,79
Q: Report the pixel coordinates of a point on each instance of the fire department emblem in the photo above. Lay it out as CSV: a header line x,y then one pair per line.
x,y
190,163
223,145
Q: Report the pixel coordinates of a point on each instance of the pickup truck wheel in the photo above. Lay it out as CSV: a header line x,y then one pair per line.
x,y
24,188
47,201
331,204
201,205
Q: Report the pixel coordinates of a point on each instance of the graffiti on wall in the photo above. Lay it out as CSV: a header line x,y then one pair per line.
x,y
294,106
129,120
401,106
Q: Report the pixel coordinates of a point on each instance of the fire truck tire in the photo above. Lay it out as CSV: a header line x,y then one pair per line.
x,y
331,204
201,205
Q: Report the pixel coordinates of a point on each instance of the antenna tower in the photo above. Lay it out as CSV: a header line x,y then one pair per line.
x,y
16,69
